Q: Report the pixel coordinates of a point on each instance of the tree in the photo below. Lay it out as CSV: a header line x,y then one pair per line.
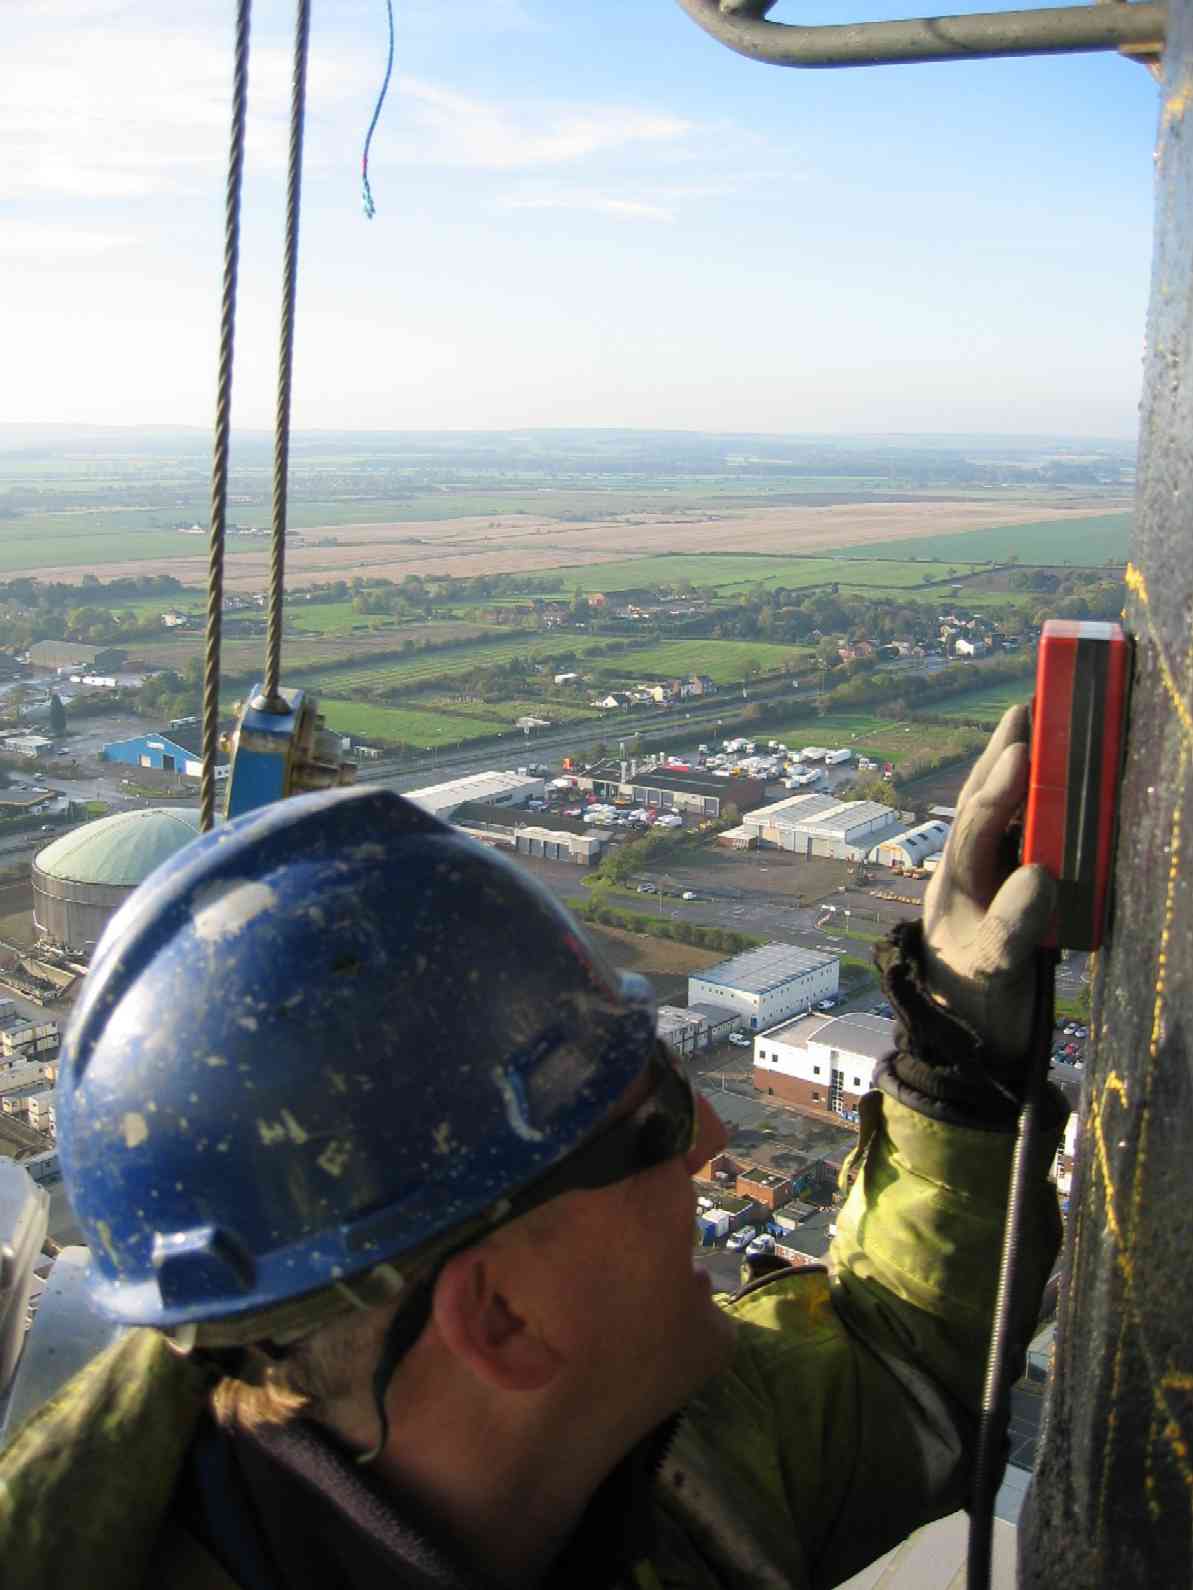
x,y
57,716
873,788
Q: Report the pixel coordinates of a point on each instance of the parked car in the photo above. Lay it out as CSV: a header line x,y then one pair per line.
x,y
740,1039
687,895
1081,1032
764,1243
741,1239
827,1004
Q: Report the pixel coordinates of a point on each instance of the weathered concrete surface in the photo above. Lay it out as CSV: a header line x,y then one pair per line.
x,y
1113,1503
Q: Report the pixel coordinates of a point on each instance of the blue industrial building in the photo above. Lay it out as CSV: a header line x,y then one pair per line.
x,y
178,749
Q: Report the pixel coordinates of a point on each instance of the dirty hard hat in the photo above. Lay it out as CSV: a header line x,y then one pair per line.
x,y
317,1039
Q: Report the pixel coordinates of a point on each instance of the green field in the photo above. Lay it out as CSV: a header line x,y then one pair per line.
x,y
401,723
730,572
988,704
1084,542
507,712
399,673
867,735
724,661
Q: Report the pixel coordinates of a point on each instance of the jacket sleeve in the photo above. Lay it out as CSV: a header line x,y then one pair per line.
x,y
863,1387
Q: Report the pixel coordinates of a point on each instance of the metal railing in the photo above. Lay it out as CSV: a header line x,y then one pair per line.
x,y
1137,27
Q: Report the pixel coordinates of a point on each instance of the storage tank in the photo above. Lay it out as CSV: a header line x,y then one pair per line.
x,y
82,879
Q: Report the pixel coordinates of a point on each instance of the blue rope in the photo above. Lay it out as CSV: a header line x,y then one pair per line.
x,y
370,208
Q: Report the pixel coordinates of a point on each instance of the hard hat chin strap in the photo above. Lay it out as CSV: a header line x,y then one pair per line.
x,y
401,1334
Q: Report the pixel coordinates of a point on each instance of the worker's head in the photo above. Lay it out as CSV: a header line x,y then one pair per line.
x,y
330,1048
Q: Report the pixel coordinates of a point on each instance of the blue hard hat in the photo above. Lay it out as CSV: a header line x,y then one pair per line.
x,y
316,1038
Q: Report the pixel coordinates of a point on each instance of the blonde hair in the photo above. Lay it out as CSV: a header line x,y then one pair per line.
x,y
333,1364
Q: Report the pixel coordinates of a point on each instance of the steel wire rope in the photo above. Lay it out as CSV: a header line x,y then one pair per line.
x,y
281,457
223,419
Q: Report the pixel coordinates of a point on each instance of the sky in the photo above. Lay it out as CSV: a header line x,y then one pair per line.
x,y
588,214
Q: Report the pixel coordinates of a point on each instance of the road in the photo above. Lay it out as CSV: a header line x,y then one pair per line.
x,y
669,727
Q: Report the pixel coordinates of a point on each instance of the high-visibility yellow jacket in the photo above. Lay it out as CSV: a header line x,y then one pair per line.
x,y
844,1421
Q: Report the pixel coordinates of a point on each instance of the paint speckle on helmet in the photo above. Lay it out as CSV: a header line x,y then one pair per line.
x,y
228,907
134,1128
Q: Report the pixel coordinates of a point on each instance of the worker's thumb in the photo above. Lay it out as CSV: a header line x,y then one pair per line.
x,y
1015,923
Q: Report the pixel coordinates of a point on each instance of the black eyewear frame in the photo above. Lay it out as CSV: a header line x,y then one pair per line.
x,y
662,1127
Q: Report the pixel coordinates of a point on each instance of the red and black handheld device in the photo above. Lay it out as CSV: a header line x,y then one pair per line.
x,y
1078,720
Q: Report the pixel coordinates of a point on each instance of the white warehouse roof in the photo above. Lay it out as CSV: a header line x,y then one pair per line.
x,y
792,811
858,1033
441,800
925,840
769,966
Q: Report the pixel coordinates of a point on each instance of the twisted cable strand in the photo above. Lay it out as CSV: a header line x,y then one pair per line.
x,y
223,420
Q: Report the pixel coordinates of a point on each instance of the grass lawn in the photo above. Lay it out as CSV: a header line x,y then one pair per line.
x,y
399,723
509,711
724,661
988,705
1083,542
867,735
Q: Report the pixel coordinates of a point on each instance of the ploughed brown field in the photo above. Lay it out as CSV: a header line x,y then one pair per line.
x,y
519,543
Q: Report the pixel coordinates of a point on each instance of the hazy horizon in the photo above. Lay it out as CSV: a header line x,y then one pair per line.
x,y
595,219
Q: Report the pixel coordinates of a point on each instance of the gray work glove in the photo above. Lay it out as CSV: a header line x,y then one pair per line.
x,y
983,916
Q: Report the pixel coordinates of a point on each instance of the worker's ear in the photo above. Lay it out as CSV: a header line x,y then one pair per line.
x,y
480,1326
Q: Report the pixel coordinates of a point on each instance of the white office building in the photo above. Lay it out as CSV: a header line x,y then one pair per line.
x,y
767,985
822,1064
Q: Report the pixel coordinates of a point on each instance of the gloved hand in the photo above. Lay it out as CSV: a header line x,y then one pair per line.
x,y
983,916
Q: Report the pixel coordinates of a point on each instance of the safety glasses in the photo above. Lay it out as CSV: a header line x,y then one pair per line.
x,y
661,1128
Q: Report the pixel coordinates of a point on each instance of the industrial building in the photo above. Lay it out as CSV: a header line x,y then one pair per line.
x,y
177,750
669,788
81,880
687,1029
821,825
32,746
537,834
822,1064
768,984
914,847
71,656
493,789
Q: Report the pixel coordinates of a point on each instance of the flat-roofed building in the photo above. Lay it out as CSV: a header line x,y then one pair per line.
x,y
492,789
822,1064
671,789
822,825
767,985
